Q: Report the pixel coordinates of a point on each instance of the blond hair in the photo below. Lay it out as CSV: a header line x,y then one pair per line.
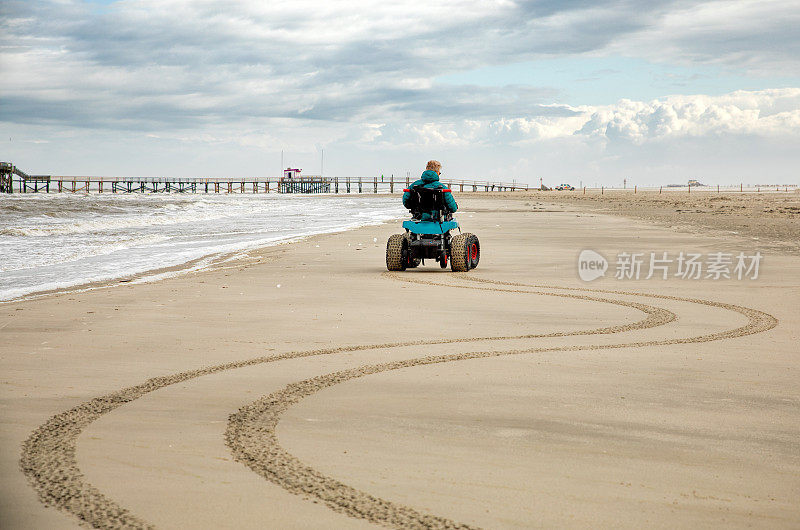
x,y
434,165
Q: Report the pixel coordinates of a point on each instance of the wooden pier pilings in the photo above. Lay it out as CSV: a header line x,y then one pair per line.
x,y
6,177
304,185
25,183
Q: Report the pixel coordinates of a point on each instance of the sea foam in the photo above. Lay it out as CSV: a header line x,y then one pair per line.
x,y
61,241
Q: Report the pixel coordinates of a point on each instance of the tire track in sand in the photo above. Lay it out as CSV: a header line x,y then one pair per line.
x,y
253,441
48,455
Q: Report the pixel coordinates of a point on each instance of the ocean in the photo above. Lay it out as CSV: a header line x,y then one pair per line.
x,y
61,241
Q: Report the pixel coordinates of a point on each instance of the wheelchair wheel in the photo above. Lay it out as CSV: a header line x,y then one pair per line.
x,y
459,253
397,252
474,249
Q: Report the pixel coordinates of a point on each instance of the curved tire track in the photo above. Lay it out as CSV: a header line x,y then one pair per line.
x,y
253,441
48,455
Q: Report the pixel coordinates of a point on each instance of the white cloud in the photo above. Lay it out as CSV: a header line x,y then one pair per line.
x,y
766,113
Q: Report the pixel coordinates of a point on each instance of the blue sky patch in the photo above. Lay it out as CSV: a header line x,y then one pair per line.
x,y
606,80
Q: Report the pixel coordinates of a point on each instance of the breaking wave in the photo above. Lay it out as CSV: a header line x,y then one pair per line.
x,y
60,241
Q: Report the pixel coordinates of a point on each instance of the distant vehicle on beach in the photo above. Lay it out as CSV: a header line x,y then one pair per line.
x,y
565,187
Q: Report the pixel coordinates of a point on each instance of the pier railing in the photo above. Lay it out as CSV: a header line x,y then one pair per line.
x,y
24,183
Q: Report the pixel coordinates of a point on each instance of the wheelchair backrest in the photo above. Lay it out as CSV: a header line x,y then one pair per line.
x,y
427,200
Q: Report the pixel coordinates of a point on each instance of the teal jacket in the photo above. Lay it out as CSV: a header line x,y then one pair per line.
x,y
430,179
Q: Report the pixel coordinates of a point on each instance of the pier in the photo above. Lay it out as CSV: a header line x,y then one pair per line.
x,y
13,180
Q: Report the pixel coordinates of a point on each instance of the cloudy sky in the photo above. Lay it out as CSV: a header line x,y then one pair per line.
x,y
567,90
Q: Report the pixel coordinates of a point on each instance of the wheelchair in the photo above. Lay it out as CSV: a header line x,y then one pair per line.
x,y
428,236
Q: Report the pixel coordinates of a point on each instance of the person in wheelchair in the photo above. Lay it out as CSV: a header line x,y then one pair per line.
x,y
429,180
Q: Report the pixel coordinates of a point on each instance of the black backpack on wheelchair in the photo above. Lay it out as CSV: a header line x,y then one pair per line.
x,y
423,200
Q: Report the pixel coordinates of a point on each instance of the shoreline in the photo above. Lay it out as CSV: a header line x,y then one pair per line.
x,y
614,203
210,262
203,262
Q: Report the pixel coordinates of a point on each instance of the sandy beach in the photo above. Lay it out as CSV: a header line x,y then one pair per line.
x,y
307,387
770,218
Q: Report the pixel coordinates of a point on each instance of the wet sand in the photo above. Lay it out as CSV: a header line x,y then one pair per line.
x,y
308,387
